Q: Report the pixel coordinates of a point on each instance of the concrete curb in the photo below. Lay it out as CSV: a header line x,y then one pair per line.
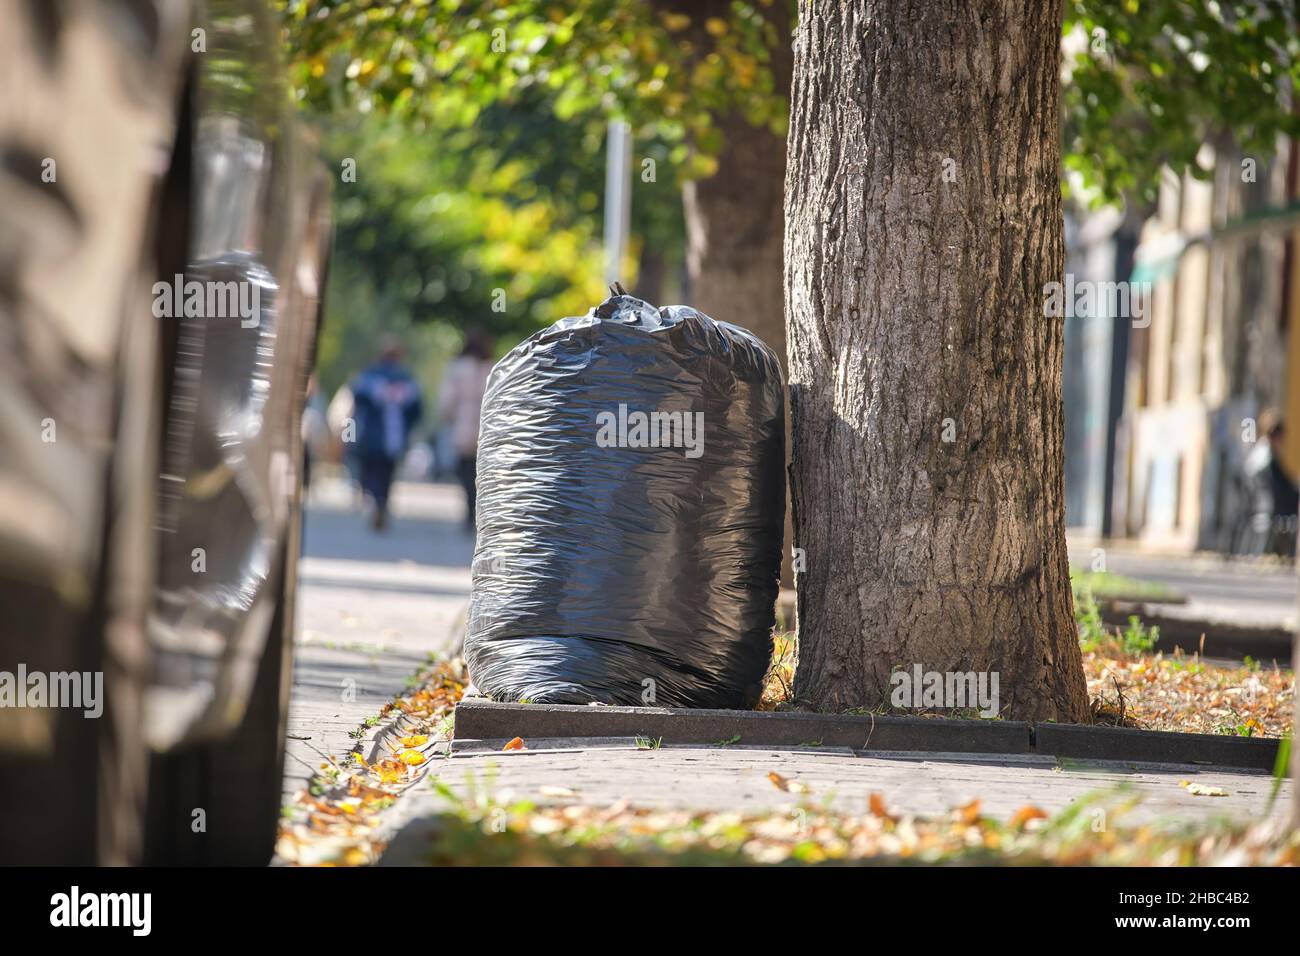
x,y
1230,640
479,719
1155,746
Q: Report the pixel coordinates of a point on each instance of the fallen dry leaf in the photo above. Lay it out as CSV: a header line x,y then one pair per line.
x,y
389,771
1201,790
969,813
1025,814
786,784
1184,693
339,826
516,744
876,802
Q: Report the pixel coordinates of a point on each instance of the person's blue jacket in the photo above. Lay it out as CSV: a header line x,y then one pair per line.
x,y
386,403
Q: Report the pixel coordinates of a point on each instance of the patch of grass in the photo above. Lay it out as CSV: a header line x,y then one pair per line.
x,y
1107,586
1137,638
446,728
1131,641
728,742
1238,726
1087,616
648,743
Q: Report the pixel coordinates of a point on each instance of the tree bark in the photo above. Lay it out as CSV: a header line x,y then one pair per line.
x,y
925,380
650,274
1295,747
735,218
734,233
1292,396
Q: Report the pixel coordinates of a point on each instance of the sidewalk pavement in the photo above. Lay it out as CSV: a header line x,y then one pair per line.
x,y
371,608
605,772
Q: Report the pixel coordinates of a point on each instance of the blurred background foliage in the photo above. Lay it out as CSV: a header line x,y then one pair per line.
x,y
477,133
477,128
1148,82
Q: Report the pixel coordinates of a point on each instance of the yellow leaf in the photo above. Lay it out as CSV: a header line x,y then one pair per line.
x,y
355,856
416,740
1201,790
970,813
716,26
389,771
412,757
1025,814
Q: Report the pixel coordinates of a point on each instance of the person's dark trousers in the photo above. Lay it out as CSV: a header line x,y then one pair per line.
x,y
467,472
376,479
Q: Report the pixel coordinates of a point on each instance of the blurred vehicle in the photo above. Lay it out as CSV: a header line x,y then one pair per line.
x,y
164,235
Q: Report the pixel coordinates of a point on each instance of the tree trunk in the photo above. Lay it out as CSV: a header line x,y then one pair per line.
x,y
1295,744
734,218
650,273
923,222
734,233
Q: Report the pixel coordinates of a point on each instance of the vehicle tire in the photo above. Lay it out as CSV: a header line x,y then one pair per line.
x,y
235,781
77,544
79,798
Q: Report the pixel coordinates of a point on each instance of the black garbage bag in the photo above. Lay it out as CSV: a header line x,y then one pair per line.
x,y
631,496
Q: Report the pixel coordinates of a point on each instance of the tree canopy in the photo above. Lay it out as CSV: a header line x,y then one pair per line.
x,y
478,125
1148,82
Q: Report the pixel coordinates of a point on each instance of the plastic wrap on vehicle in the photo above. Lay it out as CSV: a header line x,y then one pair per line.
x,y
631,495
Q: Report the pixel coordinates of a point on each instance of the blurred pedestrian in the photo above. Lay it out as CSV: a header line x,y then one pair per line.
x,y
1272,496
386,405
460,401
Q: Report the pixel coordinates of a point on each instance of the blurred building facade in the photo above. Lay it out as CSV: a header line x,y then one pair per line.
x,y
1159,408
